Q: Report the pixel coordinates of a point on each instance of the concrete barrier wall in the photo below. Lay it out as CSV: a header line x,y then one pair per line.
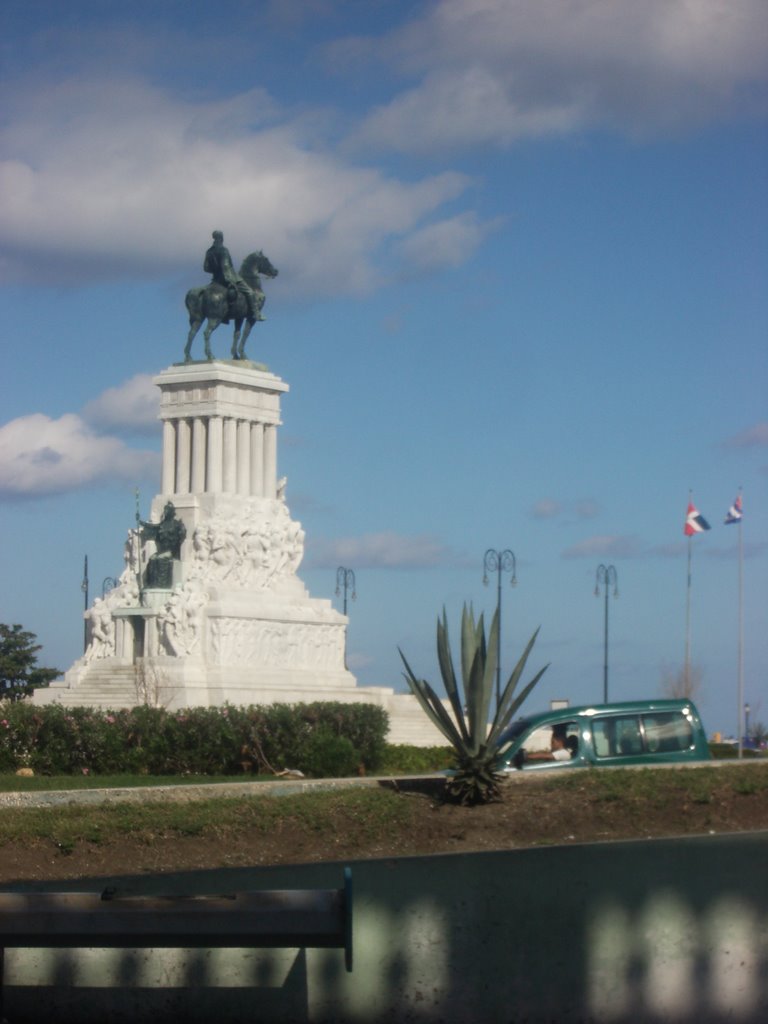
x,y
657,931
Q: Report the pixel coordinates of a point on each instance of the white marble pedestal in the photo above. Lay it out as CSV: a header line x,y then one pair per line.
x,y
237,624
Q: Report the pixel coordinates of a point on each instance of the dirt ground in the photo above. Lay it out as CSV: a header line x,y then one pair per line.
x,y
528,815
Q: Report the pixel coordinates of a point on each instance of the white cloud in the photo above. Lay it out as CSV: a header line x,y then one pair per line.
x,y
755,436
104,175
446,243
493,71
605,546
546,508
357,661
730,552
553,508
133,407
107,177
41,456
386,550
464,108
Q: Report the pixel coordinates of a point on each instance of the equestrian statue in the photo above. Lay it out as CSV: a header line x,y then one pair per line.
x,y
230,296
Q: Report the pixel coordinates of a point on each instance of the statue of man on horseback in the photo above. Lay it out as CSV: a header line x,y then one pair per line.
x,y
218,263
229,296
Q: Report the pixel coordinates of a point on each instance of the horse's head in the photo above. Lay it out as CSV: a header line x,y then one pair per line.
x,y
257,263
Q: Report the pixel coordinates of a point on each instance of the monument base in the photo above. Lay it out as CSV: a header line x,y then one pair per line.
x,y
210,608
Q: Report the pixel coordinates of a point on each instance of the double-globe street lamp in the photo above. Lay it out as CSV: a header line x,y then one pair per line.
x,y
606,575
345,578
498,562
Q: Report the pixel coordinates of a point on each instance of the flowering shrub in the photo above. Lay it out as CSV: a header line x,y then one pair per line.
x,y
54,740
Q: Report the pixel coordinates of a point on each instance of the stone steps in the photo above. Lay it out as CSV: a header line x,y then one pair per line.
x,y
113,687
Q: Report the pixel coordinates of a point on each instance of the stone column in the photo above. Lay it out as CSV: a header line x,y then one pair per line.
x,y
198,455
244,457
230,456
257,459
183,456
119,636
213,475
151,639
169,457
270,460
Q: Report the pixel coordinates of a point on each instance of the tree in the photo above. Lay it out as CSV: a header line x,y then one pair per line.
x,y
679,685
19,671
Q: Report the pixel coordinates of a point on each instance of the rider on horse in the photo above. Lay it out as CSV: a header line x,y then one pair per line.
x,y
218,262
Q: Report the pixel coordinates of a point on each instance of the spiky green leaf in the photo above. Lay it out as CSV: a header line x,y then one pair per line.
x,y
449,676
511,685
468,643
501,722
433,706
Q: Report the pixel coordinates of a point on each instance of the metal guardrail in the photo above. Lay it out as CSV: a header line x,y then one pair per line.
x,y
286,918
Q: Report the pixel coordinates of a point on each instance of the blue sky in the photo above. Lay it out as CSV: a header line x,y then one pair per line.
x,y
522,304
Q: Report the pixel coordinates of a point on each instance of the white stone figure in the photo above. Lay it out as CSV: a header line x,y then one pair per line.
x,y
102,631
255,550
131,551
181,620
196,602
224,549
171,625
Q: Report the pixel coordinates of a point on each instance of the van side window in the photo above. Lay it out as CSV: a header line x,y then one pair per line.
x,y
667,731
556,743
617,736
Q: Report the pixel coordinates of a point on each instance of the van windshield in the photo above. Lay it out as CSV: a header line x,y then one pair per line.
x,y
511,733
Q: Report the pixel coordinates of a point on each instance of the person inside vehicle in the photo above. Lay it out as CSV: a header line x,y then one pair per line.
x,y
559,749
572,745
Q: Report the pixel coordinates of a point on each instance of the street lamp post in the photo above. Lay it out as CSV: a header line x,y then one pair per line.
x,y
606,574
345,578
747,709
498,562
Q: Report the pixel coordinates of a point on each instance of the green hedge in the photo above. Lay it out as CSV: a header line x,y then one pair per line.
x,y
317,739
728,751
401,758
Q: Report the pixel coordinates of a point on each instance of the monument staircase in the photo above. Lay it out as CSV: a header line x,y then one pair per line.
x,y
105,687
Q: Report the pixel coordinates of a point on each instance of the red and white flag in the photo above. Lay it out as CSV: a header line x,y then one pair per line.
x,y
734,512
694,521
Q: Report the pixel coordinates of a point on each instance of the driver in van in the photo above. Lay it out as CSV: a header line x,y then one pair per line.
x,y
558,749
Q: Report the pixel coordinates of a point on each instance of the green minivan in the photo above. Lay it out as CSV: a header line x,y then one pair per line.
x,y
641,732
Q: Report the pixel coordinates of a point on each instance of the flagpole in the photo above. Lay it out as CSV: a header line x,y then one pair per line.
x,y
687,665
740,718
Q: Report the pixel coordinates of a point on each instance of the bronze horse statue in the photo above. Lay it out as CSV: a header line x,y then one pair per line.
x,y
218,305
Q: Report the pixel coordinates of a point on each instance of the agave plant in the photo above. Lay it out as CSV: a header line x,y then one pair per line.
x,y
474,741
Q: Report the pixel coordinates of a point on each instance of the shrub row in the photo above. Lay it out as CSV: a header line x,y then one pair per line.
x,y
321,739
729,751
403,758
